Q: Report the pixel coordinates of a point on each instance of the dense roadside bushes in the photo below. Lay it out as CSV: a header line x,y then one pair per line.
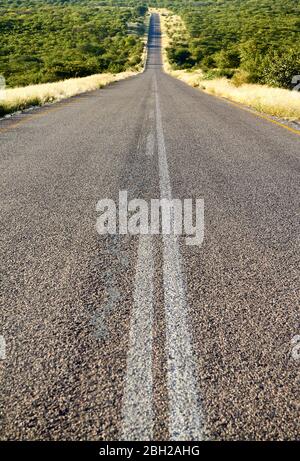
x,y
256,41
250,41
278,102
46,41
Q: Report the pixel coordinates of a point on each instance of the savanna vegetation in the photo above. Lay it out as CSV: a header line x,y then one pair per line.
x,y
47,41
266,98
253,41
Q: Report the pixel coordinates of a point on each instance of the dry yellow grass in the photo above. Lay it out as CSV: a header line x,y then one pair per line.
x,y
274,101
15,99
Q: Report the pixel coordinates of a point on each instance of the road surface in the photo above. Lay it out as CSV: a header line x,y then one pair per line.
x,y
145,337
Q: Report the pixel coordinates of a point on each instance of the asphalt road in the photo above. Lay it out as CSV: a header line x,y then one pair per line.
x,y
144,337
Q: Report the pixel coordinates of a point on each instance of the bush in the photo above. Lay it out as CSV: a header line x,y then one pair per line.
x,y
240,77
180,56
211,74
208,62
226,59
280,67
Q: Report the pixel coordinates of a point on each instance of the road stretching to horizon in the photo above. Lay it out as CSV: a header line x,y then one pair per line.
x,y
123,337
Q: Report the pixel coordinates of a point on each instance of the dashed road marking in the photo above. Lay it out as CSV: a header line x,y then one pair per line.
x,y
150,145
137,422
2,348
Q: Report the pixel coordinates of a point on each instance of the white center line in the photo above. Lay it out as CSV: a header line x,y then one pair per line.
x,y
137,401
185,418
185,415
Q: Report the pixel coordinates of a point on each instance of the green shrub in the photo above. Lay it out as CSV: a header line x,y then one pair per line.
x,y
180,56
240,77
227,59
280,67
